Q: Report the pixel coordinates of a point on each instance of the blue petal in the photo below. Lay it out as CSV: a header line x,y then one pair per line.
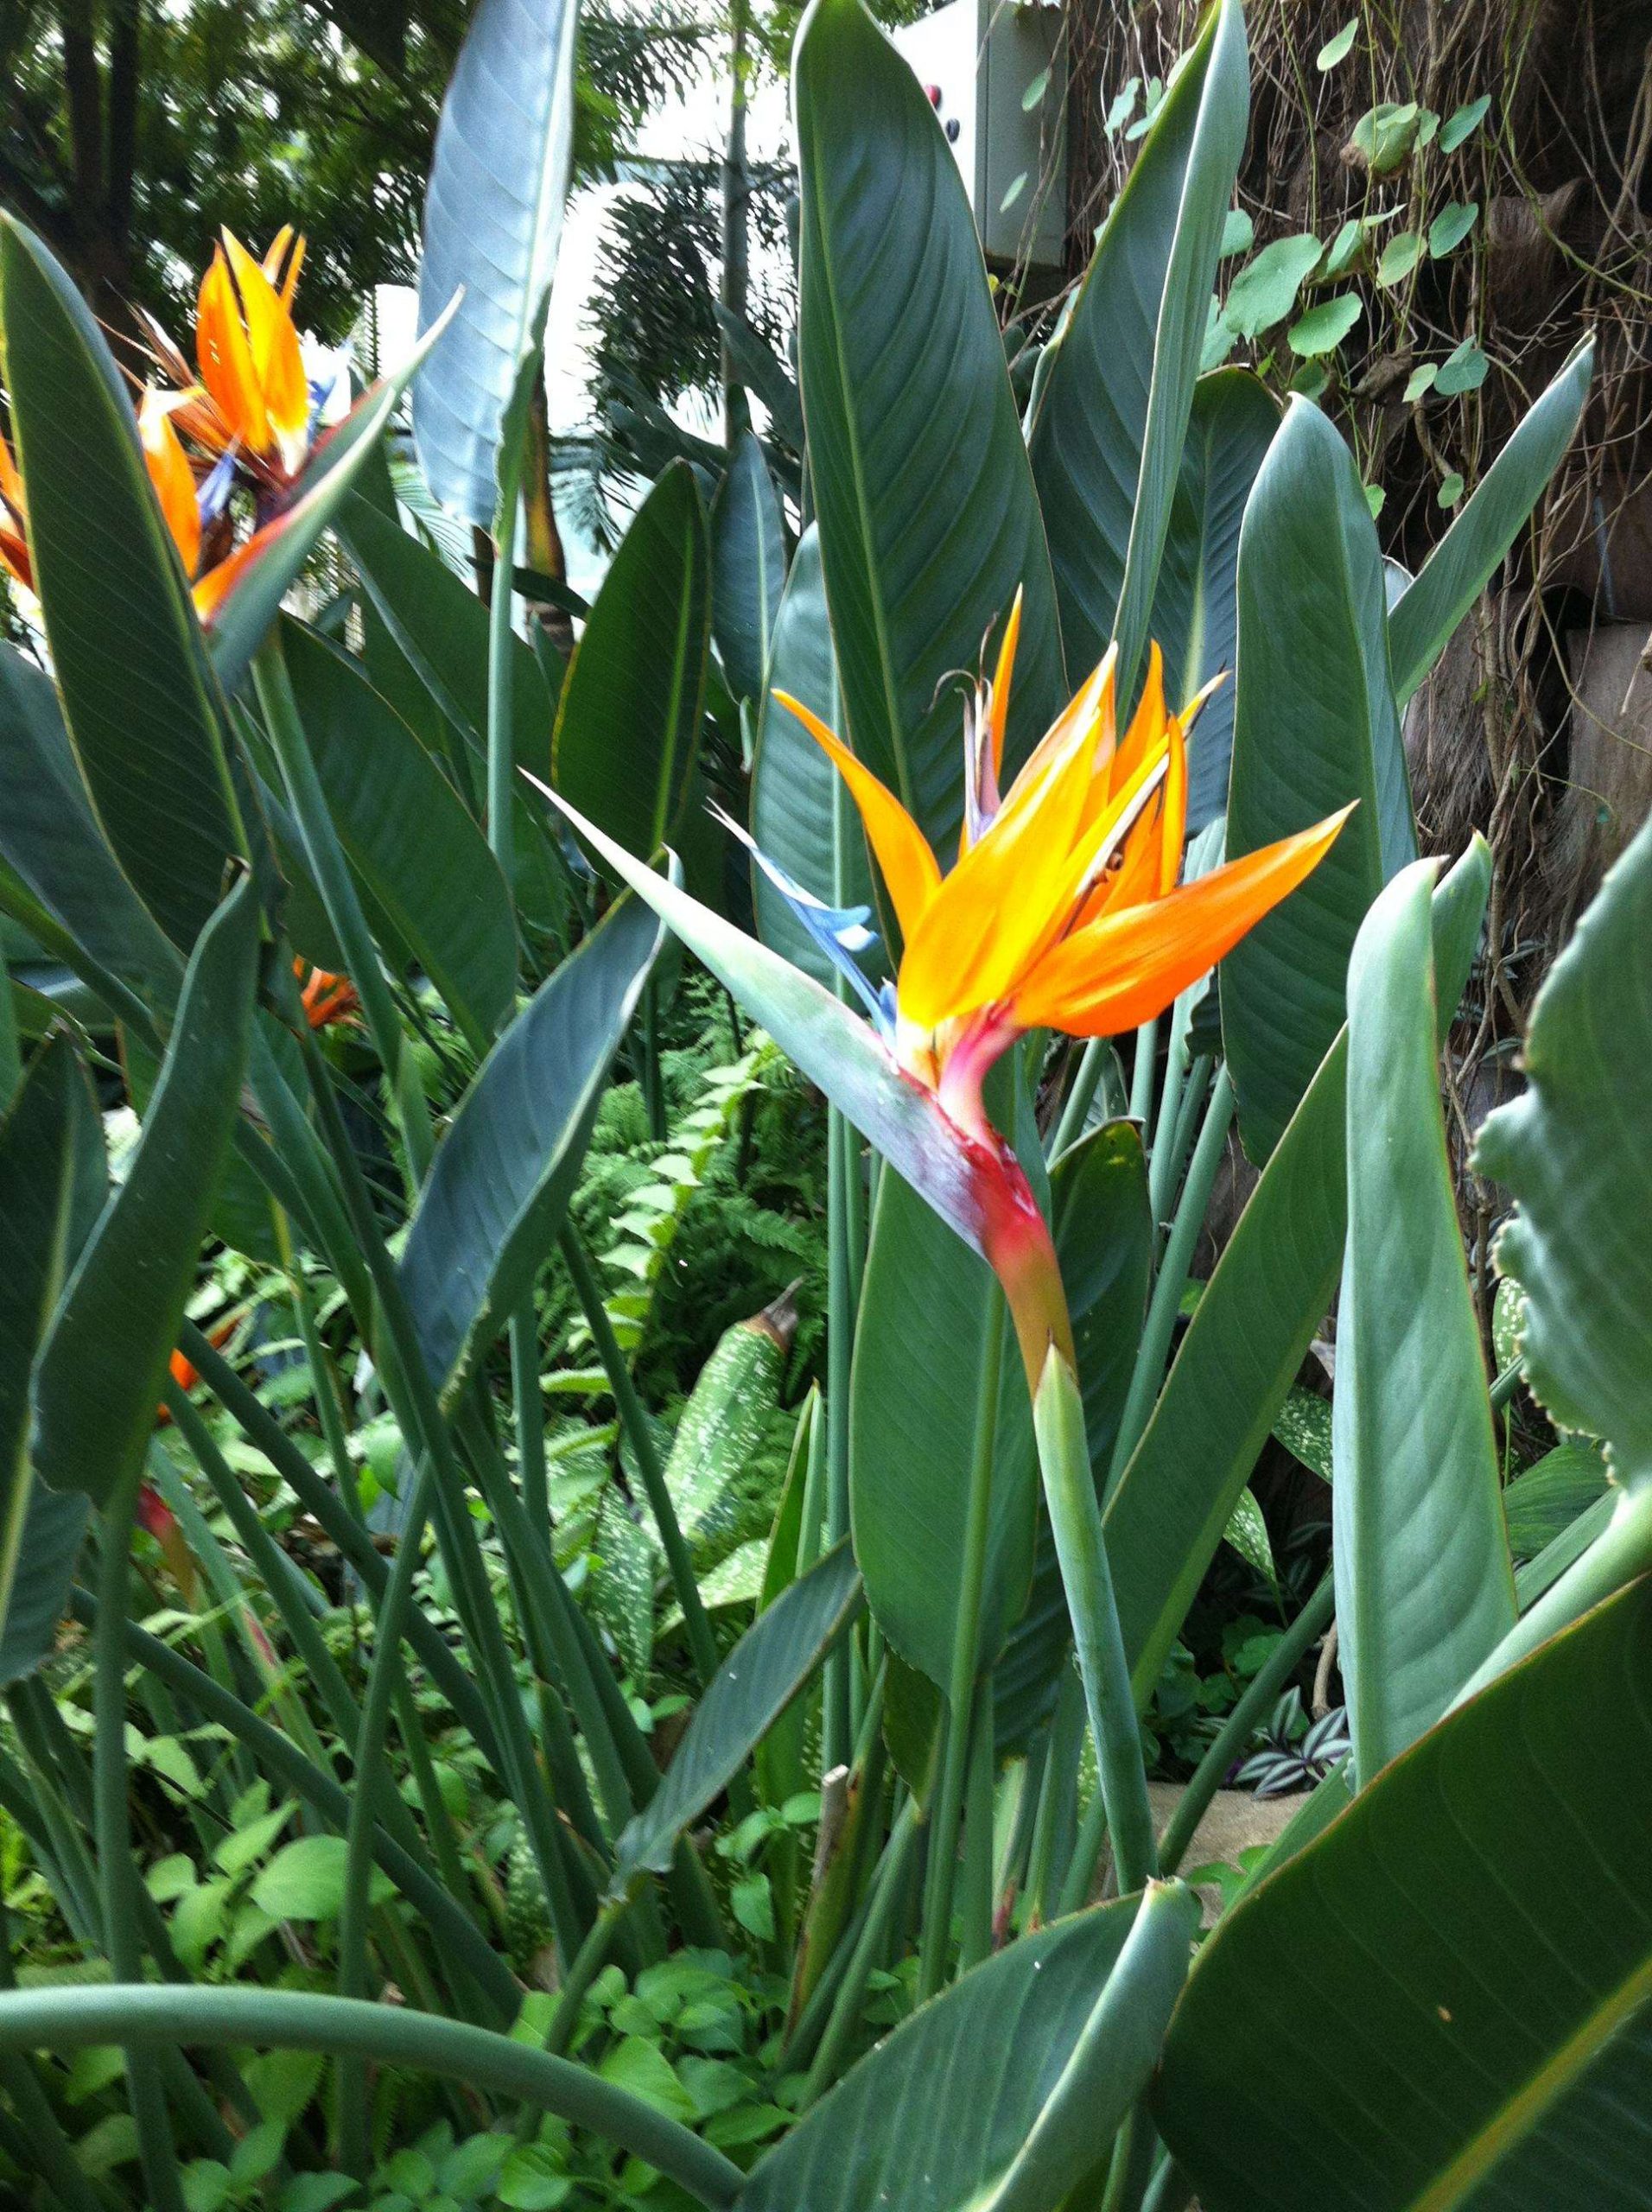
x,y
840,932
213,494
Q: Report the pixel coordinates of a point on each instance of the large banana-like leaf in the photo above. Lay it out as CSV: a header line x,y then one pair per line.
x,y
800,817
417,854
1574,1150
99,1374
1107,441
929,523
1195,610
748,555
751,1690
1445,2000
1452,577
1315,726
1250,1333
428,631
926,1305
489,1208
1425,1590
52,846
1003,2095
492,219
53,1185
141,704
628,727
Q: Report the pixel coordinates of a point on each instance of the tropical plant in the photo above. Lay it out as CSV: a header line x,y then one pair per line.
x,y
484,1762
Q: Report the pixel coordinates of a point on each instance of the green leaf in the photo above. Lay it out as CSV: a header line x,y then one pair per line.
x,y
1451,579
51,844
1463,124
1451,226
1424,1587
1574,1151
492,219
1542,1503
1238,234
926,1303
1385,135
1264,292
752,1688
929,524
100,1373
1399,257
422,620
748,565
1445,1995
1314,726
53,1183
142,707
1420,380
799,817
1003,2093
1450,491
1337,49
491,1204
1323,328
1250,1333
1195,613
305,1880
1463,369
628,727
1246,1532
1107,441
414,850
642,2070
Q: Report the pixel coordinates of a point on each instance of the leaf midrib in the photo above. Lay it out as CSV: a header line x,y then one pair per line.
x,y
1516,2117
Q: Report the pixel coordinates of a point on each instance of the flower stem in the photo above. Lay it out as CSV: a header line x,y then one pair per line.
x,y
1080,1548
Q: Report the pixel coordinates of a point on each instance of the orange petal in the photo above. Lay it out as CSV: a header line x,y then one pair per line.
x,y
1173,821
1145,736
1009,898
909,868
278,360
1084,722
227,363
11,483
172,478
1000,711
1128,967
